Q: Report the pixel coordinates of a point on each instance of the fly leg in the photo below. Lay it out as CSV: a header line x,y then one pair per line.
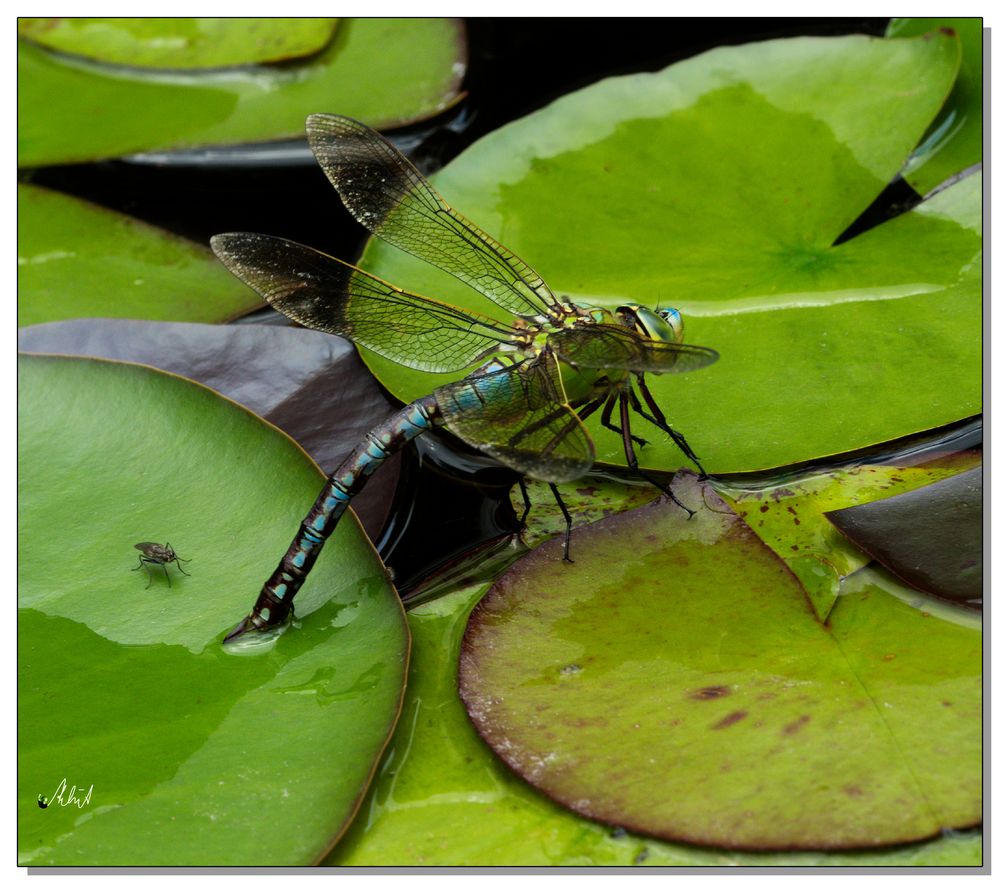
x,y
142,564
633,461
166,573
660,421
178,559
567,517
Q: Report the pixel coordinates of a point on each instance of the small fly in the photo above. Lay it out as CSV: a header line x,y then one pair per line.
x,y
158,554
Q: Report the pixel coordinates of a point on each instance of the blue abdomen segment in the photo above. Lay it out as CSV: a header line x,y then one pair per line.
x,y
274,603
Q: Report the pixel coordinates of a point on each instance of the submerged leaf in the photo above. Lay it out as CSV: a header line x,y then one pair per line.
x,y
181,42
384,71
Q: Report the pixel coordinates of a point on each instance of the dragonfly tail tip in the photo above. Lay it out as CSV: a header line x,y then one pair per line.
x,y
244,626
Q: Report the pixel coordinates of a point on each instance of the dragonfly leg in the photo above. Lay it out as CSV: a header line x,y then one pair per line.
x,y
527,504
660,421
633,461
567,517
606,421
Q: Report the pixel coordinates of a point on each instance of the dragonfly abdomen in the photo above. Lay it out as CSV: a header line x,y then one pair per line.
x,y
274,603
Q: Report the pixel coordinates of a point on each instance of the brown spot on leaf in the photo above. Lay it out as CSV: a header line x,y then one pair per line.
x,y
946,703
729,720
712,692
889,657
948,32
797,725
767,695
764,507
854,791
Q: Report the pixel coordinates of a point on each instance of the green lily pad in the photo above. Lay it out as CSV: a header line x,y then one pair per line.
x,y
77,259
181,42
676,682
955,139
438,780
632,190
75,111
790,516
931,538
196,754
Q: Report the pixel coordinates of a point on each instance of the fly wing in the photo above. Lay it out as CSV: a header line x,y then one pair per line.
x,y
385,192
602,345
519,416
324,293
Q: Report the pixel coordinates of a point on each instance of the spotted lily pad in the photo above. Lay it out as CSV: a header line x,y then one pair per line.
x,y
188,753
931,538
631,190
181,42
790,515
676,682
77,259
410,69
955,138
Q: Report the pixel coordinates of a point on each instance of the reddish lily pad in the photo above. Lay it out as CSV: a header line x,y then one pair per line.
x,y
676,682
931,538
310,384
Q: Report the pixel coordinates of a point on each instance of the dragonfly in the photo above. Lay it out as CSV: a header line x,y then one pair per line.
x,y
533,378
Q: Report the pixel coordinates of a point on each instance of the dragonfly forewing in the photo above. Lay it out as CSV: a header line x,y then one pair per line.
x,y
604,345
386,193
324,293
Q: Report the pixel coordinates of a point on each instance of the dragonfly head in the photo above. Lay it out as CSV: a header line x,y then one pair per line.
x,y
663,324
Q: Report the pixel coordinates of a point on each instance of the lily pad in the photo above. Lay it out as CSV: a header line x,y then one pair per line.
x,y
410,69
955,138
310,384
181,42
931,538
677,683
196,755
438,780
631,190
77,259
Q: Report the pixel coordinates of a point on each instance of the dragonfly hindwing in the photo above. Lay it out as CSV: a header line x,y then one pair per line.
x,y
517,414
